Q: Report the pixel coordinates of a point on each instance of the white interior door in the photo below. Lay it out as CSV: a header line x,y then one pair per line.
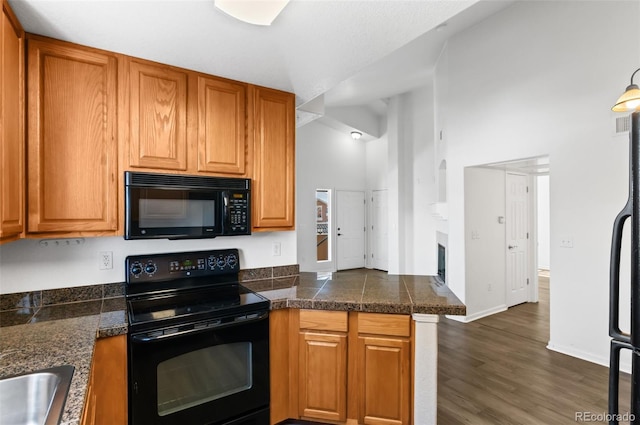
x,y
379,230
517,239
350,228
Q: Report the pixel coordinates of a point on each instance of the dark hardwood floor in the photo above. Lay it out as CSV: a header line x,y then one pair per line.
x,y
497,370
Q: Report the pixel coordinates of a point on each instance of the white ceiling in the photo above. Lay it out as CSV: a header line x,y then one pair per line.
x,y
409,66
312,47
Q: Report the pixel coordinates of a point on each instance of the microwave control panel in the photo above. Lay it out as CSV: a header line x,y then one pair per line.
x,y
238,214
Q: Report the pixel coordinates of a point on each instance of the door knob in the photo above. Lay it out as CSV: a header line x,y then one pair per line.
x,y
339,234
512,246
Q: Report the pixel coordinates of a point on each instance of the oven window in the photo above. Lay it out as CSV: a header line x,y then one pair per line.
x,y
174,208
204,375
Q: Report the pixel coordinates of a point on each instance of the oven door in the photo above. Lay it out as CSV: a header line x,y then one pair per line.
x,y
210,373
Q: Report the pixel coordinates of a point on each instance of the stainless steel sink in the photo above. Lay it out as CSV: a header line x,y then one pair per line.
x,y
36,397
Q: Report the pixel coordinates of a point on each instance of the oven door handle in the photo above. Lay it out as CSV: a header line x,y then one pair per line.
x,y
237,321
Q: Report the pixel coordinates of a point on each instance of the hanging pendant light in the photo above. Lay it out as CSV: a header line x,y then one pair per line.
x,y
630,99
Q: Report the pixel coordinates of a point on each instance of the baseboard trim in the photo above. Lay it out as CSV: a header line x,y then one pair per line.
x,y
625,364
478,315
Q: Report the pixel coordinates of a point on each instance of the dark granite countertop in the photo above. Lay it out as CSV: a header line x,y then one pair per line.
x,y
39,330
36,337
370,291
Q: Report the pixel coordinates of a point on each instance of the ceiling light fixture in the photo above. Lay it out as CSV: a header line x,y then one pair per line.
x,y
256,12
355,135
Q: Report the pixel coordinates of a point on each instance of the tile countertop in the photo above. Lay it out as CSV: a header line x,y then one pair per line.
x,y
36,336
56,335
370,291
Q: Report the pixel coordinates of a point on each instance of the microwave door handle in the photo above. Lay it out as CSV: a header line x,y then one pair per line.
x,y
180,237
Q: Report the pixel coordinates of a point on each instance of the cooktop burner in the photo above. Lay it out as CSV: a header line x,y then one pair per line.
x,y
173,289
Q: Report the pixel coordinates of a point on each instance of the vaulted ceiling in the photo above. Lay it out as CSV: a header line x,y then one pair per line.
x,y
311,47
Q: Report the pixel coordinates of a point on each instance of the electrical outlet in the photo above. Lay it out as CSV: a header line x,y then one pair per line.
x,y
277,249
566,242
105,259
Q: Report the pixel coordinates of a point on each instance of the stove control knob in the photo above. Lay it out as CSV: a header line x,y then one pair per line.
x,y
150,268
211,262
232,260
221,262
136,269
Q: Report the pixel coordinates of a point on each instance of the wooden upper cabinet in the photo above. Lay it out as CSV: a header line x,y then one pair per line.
x,y
72,143
221,134
273,188
157,116
12,114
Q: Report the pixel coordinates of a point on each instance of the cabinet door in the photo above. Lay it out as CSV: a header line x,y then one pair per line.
x,y
72,146
222,117
274,160
323,376
157,116
385,380
11,125
106,402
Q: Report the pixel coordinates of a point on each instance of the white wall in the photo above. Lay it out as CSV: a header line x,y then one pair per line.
x,y
485,200
26,265
539,78
401,161
412,183
420,183
325,159
544,231
377,166
377,163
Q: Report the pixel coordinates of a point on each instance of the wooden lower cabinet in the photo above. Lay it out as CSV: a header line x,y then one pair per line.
x,y
323,376
385,378
106,401
341,368
384,369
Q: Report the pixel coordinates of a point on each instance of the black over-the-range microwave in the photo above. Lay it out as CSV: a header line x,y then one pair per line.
x,y
174,206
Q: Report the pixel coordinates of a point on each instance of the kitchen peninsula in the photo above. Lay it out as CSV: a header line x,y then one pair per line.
x,y
395,303
357,346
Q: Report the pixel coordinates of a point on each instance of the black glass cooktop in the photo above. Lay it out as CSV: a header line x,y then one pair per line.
x,y
166,309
